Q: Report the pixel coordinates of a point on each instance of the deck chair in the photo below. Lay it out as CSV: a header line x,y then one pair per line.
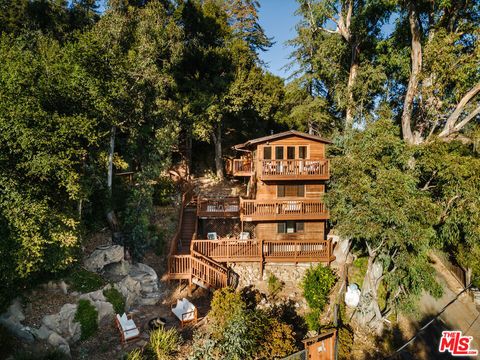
x,y
185,311
126,326
244,235
212,236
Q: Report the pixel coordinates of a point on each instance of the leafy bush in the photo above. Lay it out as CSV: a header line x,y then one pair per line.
x,y
160,243
115,298
225,306
316,284
84,281
86,315
164,343
236,331
164,191
274,285
312,319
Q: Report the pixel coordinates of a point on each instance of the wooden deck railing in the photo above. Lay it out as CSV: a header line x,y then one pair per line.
x,y
228,207
242,167
229,250
197,267
303,169
265,250
251,210
179,266
208,271
297,251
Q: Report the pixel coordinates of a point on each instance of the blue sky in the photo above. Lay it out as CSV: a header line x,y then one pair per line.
x,y
278,20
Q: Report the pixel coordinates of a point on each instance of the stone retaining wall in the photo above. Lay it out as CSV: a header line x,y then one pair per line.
x,y
249,273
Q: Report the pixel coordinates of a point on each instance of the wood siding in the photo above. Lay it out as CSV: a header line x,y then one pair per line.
x,y
268,230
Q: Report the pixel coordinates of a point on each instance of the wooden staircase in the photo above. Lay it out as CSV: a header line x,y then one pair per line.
x,y
186,263
188,228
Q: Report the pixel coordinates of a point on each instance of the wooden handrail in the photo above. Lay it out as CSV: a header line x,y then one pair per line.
x,y
242,166
186,197
295,167
269,250
219,207
277,207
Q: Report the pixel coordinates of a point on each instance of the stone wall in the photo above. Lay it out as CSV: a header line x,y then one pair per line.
x,y
250,274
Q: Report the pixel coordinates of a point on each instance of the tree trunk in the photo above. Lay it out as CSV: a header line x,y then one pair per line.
x,y
368,312
352,75
217,142
110,160
416,67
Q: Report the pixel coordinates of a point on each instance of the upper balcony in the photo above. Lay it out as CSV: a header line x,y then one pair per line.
x,y
242,167
265,210
295,169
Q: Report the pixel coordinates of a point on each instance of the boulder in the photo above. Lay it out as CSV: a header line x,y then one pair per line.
x,y
93,296
17,329
42,333
63,323
140,286
104,308
63,286
104,256
59,343
121,268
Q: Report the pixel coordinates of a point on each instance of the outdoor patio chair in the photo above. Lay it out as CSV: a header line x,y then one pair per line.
x,y
245,235
212,236
185,311
126,326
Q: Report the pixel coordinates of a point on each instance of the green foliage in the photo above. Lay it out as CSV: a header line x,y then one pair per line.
x,y
115,298
164,344
135,355
87,316
237,332
312,319
226,305
375,200
317,284
275,285
84,281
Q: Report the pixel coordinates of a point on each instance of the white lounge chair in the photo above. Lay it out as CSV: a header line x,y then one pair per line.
x,y
185,311
126,326
212,236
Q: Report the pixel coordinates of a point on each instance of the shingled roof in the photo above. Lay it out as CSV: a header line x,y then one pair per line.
x,y
279,136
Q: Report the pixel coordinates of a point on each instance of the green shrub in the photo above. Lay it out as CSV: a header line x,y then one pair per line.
x,y
84,281
164,343
115,298
225,306
86,315
312,319
316,284
274,285
135,355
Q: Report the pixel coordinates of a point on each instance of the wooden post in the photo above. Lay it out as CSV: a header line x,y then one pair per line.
x,y
261,259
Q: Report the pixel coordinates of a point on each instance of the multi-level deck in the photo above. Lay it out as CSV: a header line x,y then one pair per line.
x,y
282,221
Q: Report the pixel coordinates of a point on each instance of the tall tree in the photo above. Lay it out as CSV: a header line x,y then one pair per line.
x,y
342,33
376,201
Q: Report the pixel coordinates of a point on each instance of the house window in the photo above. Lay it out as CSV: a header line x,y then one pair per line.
x,y
279,152
290,152
291,190
290,227
267,152
302,152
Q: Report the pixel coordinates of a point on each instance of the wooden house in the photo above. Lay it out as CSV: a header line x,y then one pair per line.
x,y
282,218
